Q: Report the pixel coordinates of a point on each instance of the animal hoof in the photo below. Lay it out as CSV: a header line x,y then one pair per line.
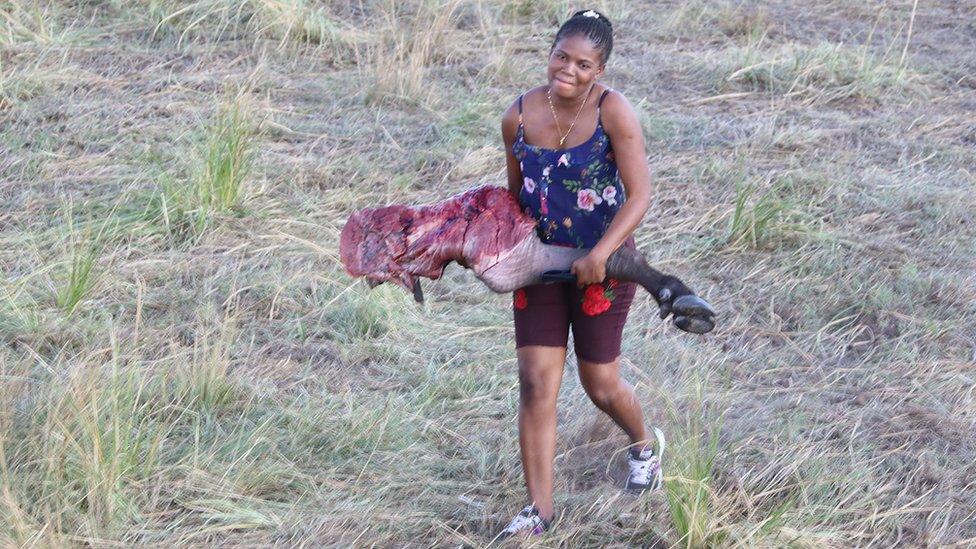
x,y
694,325
693,314
692,305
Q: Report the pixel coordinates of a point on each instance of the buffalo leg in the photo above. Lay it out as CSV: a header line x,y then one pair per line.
x,y
691,313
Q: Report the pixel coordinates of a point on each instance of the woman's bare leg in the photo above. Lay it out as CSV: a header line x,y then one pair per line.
x,y
615,397
540,374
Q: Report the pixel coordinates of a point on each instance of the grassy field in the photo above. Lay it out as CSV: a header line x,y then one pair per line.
x,y
184,362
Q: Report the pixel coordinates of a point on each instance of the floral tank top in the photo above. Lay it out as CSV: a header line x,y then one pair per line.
x,y
574,192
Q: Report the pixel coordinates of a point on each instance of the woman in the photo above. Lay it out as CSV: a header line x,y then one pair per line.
x,y
575,160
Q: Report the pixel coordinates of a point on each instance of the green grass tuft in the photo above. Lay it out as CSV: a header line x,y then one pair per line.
x,y
85,247
218,181
288,21
200,381
227,161
754,215
805,188
689,483
85,444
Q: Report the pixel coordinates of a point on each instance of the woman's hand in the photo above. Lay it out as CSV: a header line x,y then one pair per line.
x,y
590,269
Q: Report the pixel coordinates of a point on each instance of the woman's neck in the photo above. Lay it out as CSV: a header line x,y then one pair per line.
x,y
573,104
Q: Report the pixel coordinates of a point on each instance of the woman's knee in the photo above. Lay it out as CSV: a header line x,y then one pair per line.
x,y
604,395
602,384
536,386
540,376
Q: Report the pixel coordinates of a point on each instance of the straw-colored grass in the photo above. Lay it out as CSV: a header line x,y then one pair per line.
x,y
287,21
690,484
751,223
823,73
397,64
31,22
24,80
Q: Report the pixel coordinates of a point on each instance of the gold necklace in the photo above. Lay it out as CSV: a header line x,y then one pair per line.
x,y
552,108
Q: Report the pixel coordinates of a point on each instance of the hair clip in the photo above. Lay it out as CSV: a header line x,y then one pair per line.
x,y
591,13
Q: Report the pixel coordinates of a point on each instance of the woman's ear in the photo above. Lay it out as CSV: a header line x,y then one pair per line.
x,y
599,70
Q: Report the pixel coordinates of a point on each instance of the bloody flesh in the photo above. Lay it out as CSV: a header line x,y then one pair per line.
x,y
399,243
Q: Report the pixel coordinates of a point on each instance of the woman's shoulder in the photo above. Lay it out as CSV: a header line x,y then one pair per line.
x,y
616,110
613,99
510,119
511,114
530,95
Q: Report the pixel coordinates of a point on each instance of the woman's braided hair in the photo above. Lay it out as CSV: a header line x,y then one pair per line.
x,y
593,25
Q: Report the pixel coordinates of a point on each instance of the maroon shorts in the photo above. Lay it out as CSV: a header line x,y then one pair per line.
x,y
597,313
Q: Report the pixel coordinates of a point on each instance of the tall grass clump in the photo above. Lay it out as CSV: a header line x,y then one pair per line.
x,y
408,44
85,246
81,276
228,155
29,22
201,382
754,215
80,448
689,490
296,20
761,211
689,484
88,441
217,182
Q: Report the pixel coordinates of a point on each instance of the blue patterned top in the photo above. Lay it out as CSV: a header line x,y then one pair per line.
x,y
574,192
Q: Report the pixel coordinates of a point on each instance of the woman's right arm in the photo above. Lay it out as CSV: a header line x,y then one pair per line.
x,y
509,129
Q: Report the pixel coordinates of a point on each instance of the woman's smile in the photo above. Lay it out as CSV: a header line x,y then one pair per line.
x,y
563,83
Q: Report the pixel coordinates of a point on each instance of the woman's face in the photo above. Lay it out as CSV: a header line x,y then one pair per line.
x,y
574,64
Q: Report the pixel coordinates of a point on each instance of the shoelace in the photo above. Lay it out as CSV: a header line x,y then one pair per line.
x,y
644,470
521,520
525,519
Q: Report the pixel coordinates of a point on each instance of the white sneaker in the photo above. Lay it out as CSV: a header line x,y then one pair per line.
x,y
527,521
645,467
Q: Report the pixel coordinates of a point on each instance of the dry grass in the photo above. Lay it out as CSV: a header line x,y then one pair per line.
x,y
184,362
821,73
31,22
286,21
412,39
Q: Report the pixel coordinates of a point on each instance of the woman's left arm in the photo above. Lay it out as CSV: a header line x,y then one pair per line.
x,y
621,126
